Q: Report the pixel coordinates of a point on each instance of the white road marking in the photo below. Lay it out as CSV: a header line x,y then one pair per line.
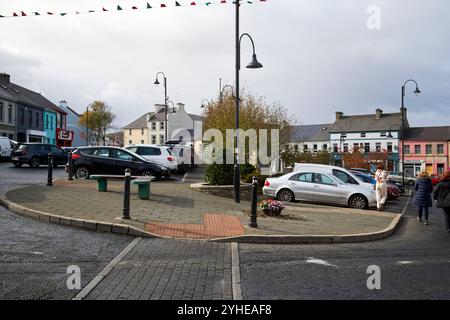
x,y
37,253
184,178
320,262
91,285
405,262
235,272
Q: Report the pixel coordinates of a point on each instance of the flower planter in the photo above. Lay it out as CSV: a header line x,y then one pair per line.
x,y
272,212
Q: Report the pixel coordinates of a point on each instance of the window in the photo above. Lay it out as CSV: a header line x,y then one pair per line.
x,y
305,148
46,121
142,141
325,147
1,111
429,149
30,118
122,155
22,116
37,119
343,135
323,179
142,132
383,134
315,147
417,149
161,125
55,149
150,151
153,139
335,148
363,134
10,114
440,169
367,147
130,132
407,149
389,147
51,123
378,146
161,139
440,149
101,152
344,177
345,147
153,125
355,146
296,147
302,177
130,142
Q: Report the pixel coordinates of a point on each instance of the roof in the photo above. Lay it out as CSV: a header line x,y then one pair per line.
x,y
74,112
24,95
428,133
196,117
139,123
368,122
314,132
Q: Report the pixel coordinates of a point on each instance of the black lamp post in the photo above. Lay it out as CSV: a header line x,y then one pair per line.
x,y
222,91
203,105
416,92
254,64
166,98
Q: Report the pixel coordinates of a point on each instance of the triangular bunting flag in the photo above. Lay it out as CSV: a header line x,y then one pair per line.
x,y
149,6
1,16
119,8
177,4
50,13
134,8
63,14
207,3
193,3
15,14
23,14
91,11
104,9
36,13
163,5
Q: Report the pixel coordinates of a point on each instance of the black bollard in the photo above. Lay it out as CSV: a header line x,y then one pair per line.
x,y
50,170
70,167
126,195
253,223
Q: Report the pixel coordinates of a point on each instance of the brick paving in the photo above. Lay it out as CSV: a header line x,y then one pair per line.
x,y
175,210
170,270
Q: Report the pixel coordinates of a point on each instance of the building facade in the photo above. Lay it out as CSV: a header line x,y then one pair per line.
x,y
50,126
427,149
7,114
137,131
73,125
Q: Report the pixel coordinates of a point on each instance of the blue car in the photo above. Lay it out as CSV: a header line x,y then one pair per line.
x,y
364,177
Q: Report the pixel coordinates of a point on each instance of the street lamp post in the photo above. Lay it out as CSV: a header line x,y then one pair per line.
x,y
416,92
222,90
254,64
166,98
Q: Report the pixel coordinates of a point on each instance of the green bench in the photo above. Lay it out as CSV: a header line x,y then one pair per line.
x,y
143,183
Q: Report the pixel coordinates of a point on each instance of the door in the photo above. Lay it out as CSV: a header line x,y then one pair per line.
x,y
101,162
429,168
43,151
123,160
325,189
60,157
302,186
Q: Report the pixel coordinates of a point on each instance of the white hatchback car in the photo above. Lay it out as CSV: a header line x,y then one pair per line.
x,y
155,153
316,185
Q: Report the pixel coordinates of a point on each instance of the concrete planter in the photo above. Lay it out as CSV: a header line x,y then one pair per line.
x,y
224,191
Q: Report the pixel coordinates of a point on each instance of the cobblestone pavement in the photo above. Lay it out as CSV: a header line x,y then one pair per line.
x,y
167,269
172,202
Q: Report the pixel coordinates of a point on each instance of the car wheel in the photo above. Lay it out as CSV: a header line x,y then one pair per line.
x,y
285,195
17,164
147,173
34,162
358,201
82,173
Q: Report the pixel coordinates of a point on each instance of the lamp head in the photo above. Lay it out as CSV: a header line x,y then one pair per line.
x,y
156,82
417,91
255,64
390,136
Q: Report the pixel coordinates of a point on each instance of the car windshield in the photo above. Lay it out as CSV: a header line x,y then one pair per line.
x,y
136,155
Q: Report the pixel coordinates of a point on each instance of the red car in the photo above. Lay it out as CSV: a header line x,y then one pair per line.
x,y
393,191
435,179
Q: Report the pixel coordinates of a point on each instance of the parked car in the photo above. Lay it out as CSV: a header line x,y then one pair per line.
x,y
5,148
341,173
435,179
362,170
393,191
113,161
156,154
36,154
398,177
319,185
398,184
364,177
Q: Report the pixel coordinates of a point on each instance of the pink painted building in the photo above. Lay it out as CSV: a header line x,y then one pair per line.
x,y
427,148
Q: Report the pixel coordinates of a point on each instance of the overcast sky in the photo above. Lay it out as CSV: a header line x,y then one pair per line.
x,y
319,56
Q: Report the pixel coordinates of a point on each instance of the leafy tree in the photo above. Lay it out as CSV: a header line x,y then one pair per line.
x,y
98,118
354,159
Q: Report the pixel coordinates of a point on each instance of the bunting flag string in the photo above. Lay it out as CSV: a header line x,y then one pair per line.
x,y
161,4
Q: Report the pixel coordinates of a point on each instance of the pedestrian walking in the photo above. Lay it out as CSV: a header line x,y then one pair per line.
x,y
442,195
422,197
381,187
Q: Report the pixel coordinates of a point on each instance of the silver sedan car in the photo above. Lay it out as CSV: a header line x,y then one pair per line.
x,y
319,187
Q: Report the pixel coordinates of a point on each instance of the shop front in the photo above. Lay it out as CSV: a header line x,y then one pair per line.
x,y
64,138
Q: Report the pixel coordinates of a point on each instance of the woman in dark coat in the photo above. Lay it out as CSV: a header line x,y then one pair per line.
x,y
422,198
442,195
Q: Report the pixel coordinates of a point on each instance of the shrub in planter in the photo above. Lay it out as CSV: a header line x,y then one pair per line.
x,y
219,174
247,169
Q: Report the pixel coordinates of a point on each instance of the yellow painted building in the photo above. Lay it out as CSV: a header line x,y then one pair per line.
x,y
136,132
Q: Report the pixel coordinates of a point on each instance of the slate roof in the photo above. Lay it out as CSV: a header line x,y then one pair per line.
x,y
196,117
139,123
368,122
314,132
21,94
428,133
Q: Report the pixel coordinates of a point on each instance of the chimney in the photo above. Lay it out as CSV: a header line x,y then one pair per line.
x,y
159,107
5,80
339,115
378,114
63,104
180,107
